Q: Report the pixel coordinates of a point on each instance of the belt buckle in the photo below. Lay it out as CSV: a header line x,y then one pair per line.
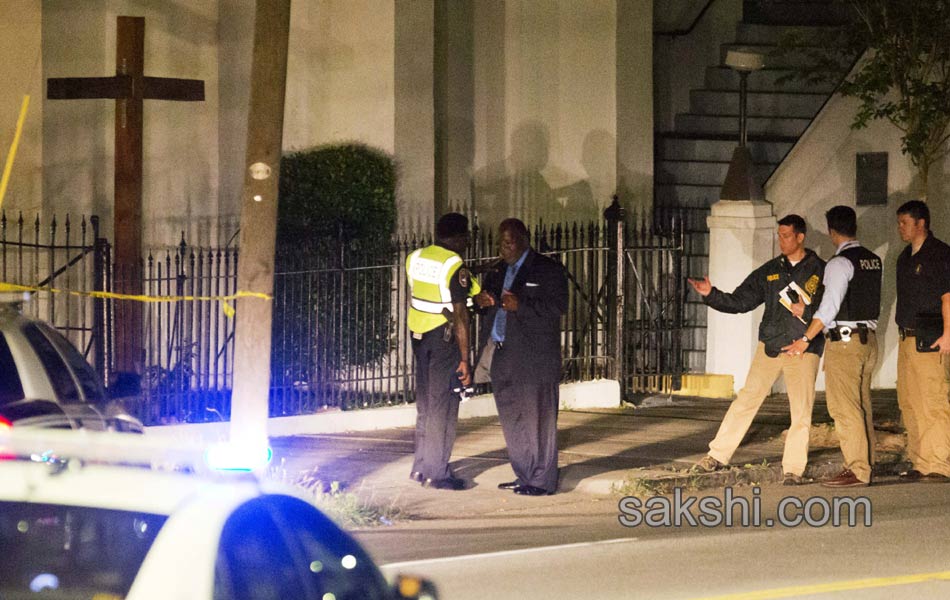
x,y
845,332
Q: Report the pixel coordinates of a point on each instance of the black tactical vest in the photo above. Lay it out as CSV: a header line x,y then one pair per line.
x,y
862,302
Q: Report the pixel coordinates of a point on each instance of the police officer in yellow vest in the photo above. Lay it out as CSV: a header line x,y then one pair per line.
x,y
439,282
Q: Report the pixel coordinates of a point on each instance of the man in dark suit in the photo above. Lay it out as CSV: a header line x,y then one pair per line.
x,y
523,301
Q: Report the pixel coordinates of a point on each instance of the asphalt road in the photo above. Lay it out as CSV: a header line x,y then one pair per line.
x,y
579,549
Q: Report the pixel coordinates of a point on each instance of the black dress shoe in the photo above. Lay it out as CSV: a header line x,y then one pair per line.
x,y
449,483
510,485
911,475
417,476
530,490
935,478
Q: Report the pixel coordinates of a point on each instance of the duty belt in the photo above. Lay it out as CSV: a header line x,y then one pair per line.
x,y
906,333
844,333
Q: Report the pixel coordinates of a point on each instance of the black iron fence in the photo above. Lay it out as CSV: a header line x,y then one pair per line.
x,y
339,337
58,255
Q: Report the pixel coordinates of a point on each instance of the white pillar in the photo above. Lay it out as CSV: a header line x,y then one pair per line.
x,y
741,235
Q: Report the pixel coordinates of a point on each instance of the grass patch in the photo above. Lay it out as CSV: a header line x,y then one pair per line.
x,y
644,484
347,508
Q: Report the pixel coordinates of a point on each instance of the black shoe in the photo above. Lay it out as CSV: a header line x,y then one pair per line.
x,y
935,478
792,479
509,485
910,476
417,476
530,490
449,483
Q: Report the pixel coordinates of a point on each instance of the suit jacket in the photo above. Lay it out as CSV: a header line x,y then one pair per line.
x,y
533,332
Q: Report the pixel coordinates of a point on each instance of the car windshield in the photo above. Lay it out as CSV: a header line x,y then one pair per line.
x,y
54,551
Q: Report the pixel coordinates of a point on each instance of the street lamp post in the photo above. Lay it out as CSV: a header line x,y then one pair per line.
x,y
740,183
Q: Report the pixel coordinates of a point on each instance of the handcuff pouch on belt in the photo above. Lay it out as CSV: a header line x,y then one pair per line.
x,y
843,333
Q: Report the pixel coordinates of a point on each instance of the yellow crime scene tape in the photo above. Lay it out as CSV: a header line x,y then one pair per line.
x,y
227,308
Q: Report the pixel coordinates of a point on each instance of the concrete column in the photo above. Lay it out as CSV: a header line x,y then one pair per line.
x,y
413,99
741,235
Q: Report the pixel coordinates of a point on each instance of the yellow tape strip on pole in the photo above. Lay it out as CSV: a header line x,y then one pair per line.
x,y
16,142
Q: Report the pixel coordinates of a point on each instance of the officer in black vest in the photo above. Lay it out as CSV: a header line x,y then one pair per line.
x,y
848,316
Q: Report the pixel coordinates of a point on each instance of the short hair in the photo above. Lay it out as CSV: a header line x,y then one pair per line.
x,y
917,209
515,226
451,225
842,219
797,223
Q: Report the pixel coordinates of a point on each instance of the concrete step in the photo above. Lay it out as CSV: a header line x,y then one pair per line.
x,y
692,196
786,104
702,172
720,77
668,146
796,12
728,125
759,33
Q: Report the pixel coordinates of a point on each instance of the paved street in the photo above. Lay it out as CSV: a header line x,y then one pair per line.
x,y
578,549
486,543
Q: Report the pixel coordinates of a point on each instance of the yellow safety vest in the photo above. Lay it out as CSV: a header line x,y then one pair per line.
x,y
429,271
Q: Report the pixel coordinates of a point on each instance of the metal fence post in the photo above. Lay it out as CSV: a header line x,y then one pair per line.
x,y
616,305
100,255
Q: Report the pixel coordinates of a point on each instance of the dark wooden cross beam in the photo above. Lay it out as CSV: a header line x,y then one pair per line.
x,y
129,87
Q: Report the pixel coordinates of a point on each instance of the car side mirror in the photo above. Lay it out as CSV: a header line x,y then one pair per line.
x,y
410,587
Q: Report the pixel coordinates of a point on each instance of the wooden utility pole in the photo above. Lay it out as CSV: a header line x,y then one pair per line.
x,y
129,87
249,400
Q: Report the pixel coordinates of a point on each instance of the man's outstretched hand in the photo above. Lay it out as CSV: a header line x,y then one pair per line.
x,y
702,286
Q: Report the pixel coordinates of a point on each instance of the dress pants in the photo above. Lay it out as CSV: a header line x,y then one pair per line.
x,y
923,394
437,406
800,372
848,368
527,411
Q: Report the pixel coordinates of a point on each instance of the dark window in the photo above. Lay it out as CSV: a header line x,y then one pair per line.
x,y
10,387
333,562
81,370
71,552
62,381
254,561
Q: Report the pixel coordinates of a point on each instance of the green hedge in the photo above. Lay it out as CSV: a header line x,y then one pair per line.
x,y
337,208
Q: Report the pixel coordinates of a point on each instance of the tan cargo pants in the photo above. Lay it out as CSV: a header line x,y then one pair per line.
x,y
800,372
848,367
923,394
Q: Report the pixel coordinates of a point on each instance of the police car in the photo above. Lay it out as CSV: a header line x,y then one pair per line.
x,y
45,381
76,524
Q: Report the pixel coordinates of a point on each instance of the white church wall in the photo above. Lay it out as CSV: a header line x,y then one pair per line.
x,y
20,47
180,139
545,109
340,74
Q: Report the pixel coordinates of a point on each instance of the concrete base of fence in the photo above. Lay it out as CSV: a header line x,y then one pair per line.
x,y
602,393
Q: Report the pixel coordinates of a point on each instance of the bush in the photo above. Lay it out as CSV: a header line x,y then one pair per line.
x,y
337,210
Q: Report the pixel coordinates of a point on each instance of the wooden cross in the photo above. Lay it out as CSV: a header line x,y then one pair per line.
x,y
129,87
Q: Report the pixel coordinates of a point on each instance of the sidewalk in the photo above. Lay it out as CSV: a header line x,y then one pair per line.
x,y
603,452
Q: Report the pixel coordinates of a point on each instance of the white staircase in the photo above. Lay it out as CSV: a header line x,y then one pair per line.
x,y
691,160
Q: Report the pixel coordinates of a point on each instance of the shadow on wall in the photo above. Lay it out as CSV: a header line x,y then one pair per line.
x,y
525,185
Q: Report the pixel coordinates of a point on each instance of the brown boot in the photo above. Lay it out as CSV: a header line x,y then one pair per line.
x,y
845,479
